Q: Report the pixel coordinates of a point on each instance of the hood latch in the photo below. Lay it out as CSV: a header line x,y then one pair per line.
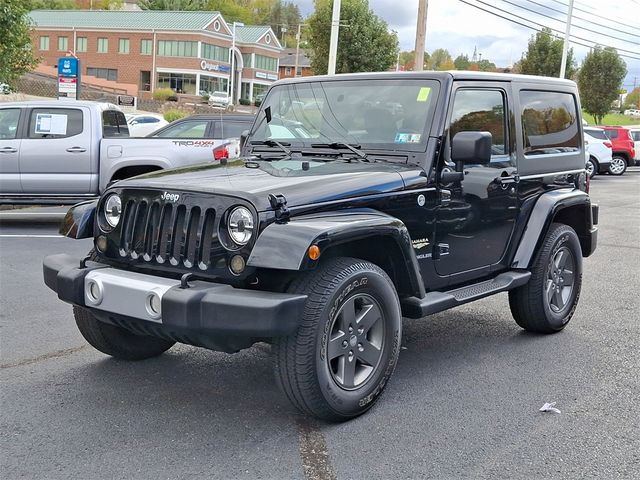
x,y
279,205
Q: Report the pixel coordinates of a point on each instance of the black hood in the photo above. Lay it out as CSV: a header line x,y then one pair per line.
x,y
254,181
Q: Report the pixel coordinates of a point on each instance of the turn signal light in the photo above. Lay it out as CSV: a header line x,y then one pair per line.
x,y
314,252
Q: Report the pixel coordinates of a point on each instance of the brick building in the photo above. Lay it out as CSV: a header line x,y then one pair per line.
x,y
189,52
287,63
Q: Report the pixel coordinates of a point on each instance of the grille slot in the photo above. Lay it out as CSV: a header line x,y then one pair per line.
x,y
180,235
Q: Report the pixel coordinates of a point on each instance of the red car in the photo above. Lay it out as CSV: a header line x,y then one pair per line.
x,y
623,149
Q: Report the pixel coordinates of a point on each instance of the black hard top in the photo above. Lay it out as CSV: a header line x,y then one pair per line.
x,y
248,117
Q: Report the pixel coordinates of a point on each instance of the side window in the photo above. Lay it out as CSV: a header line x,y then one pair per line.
x,y
612,134
549,122
114,124
230,129
481,111
9,123
188,129
55,122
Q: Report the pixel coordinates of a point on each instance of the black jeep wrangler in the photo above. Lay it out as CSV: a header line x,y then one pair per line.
x,y
359,199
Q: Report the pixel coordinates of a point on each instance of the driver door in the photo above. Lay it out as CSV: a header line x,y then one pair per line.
x,y
476,216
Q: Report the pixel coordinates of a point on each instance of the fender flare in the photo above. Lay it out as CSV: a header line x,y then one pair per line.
x,y
79,220
108,173
544,211
327,230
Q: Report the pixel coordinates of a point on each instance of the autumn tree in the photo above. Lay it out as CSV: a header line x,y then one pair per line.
x,y
365,43
439,57
633,99
544,56
462,62
15,43
600,79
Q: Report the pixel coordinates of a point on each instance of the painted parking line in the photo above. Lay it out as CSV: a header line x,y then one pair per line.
x,y
30,236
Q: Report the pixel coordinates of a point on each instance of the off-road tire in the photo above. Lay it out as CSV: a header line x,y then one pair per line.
x,y
302,366
530,304
117,341
616,166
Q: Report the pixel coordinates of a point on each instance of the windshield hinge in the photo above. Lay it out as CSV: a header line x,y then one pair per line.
x,y
279,205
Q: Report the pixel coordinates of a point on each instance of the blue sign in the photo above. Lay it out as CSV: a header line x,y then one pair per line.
x,y
67,67
214,67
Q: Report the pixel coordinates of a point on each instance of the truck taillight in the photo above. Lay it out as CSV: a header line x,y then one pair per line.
x,y
607,144
220,152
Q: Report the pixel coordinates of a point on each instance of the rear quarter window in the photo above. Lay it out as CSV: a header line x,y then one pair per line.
x,y
114,124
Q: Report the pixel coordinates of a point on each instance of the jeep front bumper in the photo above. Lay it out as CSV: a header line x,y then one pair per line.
x,y
203,308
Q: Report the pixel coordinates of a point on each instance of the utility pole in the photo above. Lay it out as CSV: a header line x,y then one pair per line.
x,y
421,33
333,44
565,47
298,35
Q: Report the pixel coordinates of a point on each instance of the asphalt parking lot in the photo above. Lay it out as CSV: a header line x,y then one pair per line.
x,y
463,402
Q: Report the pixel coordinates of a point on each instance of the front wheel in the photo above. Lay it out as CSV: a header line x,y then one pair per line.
x,y
591,167
340,359
547,302
618,165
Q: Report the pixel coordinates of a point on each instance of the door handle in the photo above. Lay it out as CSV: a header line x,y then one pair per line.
x,y
76,149
8,150
506,179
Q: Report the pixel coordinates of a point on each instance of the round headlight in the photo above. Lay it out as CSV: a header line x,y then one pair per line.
x,y
113,210
240,225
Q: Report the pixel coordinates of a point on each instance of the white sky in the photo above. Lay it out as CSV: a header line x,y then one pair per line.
x,y
459,27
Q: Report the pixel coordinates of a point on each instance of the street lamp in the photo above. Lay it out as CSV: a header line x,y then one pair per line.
x,y
232,58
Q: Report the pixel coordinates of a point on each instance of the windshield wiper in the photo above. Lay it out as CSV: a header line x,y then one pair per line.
x,y
274,143
338,145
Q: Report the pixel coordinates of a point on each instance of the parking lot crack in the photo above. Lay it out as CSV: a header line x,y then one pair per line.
x,y
313,451
41,358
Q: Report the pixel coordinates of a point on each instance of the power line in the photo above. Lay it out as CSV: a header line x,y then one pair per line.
x,y
534,28
554,29
585,20
614,19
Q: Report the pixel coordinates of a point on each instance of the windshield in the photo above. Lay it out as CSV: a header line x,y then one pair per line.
x,y
390,114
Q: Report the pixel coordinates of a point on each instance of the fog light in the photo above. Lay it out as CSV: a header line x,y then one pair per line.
x,y
101,243
237,264
153,305
94,292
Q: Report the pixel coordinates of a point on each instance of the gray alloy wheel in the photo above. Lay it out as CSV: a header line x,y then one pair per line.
x,y
591,167
617,166
560,279
356,338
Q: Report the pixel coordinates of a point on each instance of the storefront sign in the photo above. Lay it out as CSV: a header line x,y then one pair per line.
x,y
267,76
68,67
68,78
214,67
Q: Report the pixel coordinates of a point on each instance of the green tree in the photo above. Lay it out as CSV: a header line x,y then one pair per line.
x,y
486,66
170,4
462,62
364,44
600,79
544,56
231,10
15,43
439,57
633,99
52,4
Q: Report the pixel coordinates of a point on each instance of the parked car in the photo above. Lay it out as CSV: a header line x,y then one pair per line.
x,y
5,89
632,112
63,152
260,98
635,134
623,149
141,125
220,100
599,150
334,227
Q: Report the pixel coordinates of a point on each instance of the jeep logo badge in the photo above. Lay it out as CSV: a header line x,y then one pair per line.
x,y
170,197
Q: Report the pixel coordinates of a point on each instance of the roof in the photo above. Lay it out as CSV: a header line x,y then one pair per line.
x,y
252,33
134,20
288,58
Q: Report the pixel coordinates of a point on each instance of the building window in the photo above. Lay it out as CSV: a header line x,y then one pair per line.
x,y
106,73
145,80
244,90
266,63
258,89
287,71
81,44
63,44
246,60
146,46
174,48
44,43
212,84
178,82
103,45
123,45
214,52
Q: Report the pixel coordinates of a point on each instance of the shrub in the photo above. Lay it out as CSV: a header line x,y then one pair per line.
x,y
205,98
164,95
174,114
244,101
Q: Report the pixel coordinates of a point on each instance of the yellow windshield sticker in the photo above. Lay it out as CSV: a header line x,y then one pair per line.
x,y
423,94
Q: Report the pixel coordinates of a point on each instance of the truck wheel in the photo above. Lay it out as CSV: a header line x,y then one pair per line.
x,y
547,302
338,362
116,341
592,167
618,165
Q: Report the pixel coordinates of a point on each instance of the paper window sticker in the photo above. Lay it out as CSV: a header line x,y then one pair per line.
x,y
423,94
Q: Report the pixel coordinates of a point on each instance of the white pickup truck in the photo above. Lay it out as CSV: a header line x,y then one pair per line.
x,y
64,151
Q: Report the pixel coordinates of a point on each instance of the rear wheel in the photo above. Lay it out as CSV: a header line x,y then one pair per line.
x,y
618,165
591,167
547,302
117,341
339,361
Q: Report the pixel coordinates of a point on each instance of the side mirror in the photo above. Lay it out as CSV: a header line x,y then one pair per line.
x,y
471,148
243,138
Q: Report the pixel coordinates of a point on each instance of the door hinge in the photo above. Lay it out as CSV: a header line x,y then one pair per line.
x,y
445,197
440,250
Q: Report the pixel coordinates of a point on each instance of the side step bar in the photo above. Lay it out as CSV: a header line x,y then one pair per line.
x,y
434,302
